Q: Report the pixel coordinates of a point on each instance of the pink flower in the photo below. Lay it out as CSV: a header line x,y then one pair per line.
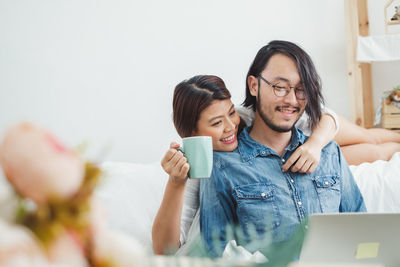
x,y
114,248
18,247
67,249
111,247
38,166
98,216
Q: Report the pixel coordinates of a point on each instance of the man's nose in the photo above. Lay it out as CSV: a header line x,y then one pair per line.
x,y
291,97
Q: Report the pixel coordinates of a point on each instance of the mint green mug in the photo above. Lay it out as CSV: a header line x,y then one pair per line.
x,y
199,153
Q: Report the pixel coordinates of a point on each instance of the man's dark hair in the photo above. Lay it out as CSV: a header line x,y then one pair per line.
x,y
308,74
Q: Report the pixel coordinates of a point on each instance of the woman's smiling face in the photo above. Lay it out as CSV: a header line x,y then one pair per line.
x,y
220,121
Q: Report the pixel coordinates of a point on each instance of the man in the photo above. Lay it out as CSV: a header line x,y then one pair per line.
x,y
248,187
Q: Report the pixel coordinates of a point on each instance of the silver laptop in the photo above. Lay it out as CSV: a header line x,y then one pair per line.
x,y
353,238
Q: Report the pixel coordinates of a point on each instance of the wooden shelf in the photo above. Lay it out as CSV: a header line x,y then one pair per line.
x,y
359,74
393,22
389,22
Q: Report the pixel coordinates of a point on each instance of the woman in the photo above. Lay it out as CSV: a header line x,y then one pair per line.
x,y
202,106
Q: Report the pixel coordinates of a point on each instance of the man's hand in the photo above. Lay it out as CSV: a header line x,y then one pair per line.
x,y
304,159
175,164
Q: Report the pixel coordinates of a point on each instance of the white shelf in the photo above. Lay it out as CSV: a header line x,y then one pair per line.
x,y
378,48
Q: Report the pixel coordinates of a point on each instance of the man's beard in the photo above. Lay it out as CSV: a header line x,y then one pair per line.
x,y
269,122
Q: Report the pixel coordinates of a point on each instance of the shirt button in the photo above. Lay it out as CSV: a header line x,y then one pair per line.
x,y
299,202
326,183
306,227
291,180
263,194
283,160
263,152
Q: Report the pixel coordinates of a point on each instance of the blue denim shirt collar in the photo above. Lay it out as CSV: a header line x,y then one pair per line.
x,y
249,148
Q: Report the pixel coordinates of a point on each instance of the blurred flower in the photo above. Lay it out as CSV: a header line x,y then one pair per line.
x,y
67,225
112,248
67,249
38,166
8,202
18,247
98,216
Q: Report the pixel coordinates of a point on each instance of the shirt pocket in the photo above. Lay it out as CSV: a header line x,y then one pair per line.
x,y
328,190
256,207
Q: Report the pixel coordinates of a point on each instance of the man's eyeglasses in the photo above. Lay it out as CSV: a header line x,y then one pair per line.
x,y
284,90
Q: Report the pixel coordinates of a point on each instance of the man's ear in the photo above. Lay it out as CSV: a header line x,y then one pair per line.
x,y
252,82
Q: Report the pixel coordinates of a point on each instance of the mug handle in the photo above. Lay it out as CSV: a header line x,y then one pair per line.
x,y
183,152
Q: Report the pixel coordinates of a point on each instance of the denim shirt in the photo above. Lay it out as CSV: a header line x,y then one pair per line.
x,y
248,188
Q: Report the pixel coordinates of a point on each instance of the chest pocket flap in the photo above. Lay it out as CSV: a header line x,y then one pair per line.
x,y
255,191
326,181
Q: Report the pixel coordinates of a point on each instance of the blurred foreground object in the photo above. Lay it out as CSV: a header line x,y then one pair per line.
x,y
38,166
58,221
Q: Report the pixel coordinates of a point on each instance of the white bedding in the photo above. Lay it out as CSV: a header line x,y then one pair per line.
x,y
379,183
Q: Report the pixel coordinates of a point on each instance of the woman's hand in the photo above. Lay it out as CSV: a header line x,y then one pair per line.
x,y
175,164
304,159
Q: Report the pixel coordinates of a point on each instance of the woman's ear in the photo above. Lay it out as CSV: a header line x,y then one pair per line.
x,y
252,82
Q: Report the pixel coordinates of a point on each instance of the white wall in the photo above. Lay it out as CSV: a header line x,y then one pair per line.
x,y
104,71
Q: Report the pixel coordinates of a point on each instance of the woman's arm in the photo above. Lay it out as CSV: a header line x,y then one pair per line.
x,y
305,159
166,226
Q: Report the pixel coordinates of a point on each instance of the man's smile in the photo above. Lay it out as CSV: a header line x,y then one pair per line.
x,y
287,111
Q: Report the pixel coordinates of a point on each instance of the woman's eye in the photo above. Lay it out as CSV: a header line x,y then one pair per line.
x,y
216,123
232,113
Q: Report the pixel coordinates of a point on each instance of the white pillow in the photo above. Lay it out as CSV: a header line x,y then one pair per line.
x,y
132,194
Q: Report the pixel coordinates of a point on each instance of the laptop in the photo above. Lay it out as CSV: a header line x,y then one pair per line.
x,y
363,238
